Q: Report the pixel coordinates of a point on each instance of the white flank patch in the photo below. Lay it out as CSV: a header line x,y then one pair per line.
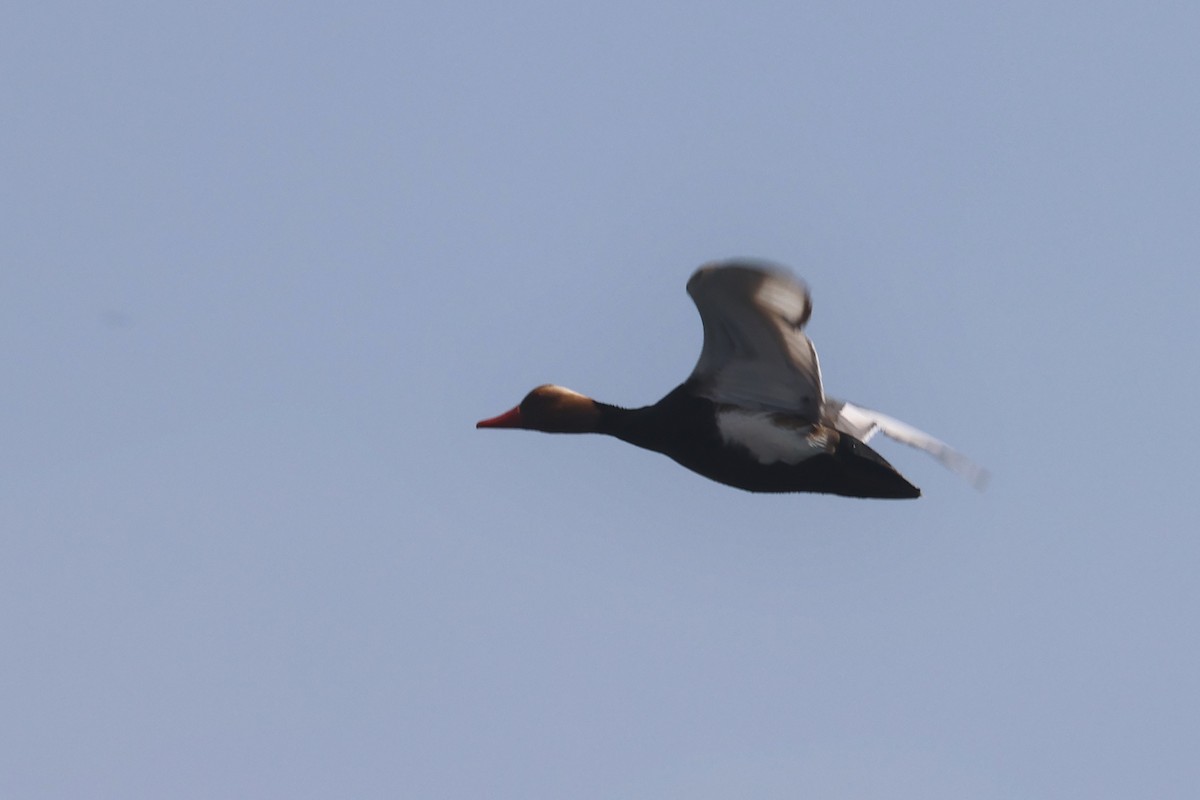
x,y
767,440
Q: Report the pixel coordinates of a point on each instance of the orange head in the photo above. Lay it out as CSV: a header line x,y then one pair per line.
x,y
552,409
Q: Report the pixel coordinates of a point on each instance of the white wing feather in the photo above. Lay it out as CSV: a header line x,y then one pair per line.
x,y
863,423
755,353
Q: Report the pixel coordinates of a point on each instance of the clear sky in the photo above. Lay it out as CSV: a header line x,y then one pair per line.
x,y
263,266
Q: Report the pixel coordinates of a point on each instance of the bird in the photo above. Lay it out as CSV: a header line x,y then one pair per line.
x,y
753,413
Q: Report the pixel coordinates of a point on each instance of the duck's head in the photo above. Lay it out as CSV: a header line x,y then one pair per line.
x,y
552,409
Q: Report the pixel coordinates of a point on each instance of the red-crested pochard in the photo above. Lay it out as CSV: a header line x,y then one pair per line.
x,y
752,414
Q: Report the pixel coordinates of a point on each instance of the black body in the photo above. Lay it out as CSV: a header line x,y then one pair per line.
x,y
683,426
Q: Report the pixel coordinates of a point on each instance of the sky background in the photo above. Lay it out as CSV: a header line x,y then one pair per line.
x,y
265,265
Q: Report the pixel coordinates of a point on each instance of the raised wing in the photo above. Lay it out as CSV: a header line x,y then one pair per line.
x,y
863,423
755,353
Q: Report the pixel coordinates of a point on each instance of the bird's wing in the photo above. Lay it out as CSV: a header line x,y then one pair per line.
x,y
863,423
755,353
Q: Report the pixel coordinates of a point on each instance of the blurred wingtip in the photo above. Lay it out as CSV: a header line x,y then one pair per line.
x,y
980,479
976,475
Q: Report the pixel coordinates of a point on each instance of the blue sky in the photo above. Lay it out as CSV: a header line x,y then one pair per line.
x,y
264,266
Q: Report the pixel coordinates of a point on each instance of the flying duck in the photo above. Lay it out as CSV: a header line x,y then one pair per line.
x,y
752,414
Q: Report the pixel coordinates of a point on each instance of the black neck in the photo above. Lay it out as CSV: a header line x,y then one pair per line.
x,y
680,416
